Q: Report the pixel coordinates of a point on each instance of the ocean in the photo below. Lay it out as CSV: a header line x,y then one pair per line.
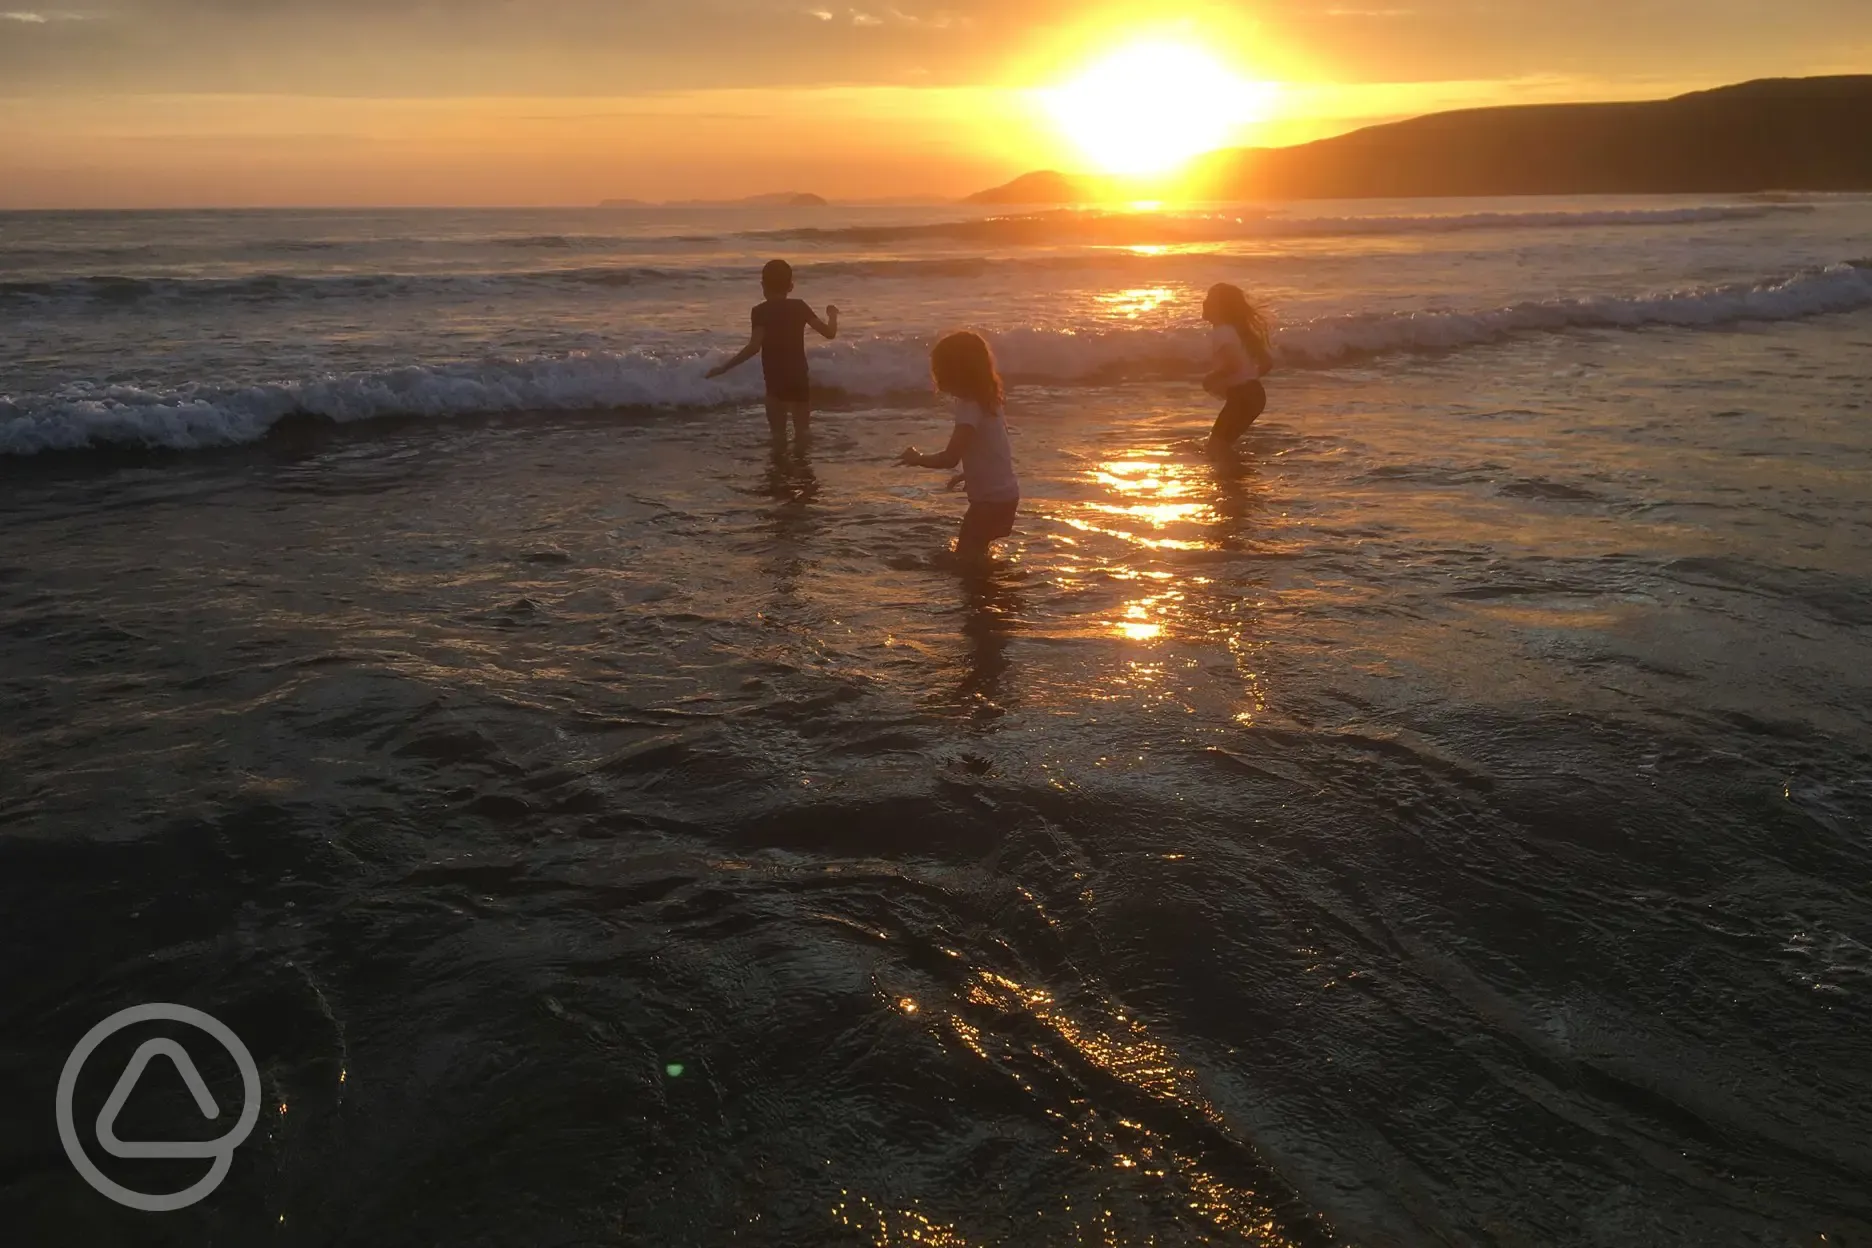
x,y
1443,822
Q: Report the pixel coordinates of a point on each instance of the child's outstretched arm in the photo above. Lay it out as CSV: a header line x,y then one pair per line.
x,y
948,457
742,356
827,328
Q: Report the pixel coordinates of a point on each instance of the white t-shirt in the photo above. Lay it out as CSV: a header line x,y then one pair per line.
x,y
988,463
1232,359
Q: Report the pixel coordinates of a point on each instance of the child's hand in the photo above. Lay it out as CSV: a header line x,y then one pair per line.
x,y
911,457
955,482
715,372
831,311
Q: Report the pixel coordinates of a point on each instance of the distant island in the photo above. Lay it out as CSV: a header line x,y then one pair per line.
x,y
778,199
1044,187
1777,134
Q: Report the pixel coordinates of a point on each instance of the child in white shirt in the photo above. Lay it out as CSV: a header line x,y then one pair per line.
x,y
964,369
1241,358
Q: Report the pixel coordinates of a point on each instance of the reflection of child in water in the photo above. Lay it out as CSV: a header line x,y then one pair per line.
x,y
1241,358
964,369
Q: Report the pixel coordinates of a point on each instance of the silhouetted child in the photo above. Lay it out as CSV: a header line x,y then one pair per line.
x,y
779,337
1241,359
964,369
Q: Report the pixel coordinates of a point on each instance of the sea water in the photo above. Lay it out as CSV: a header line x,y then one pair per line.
x,y
1443,821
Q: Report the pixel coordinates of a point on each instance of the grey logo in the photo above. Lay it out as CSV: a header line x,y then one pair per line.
x,y
221,1150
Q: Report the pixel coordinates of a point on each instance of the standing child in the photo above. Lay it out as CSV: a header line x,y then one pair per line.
x,y
779,337
964,369
1241,359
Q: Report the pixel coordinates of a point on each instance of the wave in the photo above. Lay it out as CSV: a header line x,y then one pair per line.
x,y
279,287
1843,287
356,252
1042,229
78,293
122,290
570,242
1147,228
203,416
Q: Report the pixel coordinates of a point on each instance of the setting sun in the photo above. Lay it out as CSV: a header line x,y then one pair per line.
x,y
1150,107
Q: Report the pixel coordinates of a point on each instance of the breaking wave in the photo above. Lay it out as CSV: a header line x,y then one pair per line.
x,y
221,415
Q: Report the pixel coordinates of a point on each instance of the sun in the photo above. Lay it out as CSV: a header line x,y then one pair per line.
x,y
1148,107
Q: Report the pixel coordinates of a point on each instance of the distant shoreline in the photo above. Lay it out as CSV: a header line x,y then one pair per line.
x,y
778,199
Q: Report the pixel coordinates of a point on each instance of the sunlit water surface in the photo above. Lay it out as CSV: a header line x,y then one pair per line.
x,y
1443,823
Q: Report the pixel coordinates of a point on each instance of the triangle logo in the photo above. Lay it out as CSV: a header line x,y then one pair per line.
x,y
126,1083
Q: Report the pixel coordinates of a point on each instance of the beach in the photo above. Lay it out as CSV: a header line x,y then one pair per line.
x,y
1442,822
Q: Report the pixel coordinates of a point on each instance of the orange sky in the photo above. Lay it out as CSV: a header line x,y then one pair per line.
x,y
252,102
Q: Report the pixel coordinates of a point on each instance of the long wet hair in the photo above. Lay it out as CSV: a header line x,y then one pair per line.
x,y
1227,305
962,365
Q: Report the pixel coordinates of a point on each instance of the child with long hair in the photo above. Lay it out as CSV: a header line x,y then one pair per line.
x,y
1241,358
964,369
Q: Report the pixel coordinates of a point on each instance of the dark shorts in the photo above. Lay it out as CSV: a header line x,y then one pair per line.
x,y
1245,403
984,522
789,388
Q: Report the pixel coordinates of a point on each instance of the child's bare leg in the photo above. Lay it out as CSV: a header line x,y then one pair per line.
x,y
802,423
1244,406
971,548
776,422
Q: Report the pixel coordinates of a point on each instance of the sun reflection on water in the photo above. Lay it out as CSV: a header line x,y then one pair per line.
x,y
1139,476
1138,630
1140,300
1120,1047
886,1227
1158,550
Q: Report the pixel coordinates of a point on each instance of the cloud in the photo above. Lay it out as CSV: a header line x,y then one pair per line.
x,y
942,19
453,48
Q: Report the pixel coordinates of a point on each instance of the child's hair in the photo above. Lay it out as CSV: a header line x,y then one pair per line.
x,y
1227,305
962,365
776,278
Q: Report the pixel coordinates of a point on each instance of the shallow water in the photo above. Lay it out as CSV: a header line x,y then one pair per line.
x,y
1445,823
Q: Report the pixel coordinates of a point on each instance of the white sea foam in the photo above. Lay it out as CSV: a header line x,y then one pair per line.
x,y
203,416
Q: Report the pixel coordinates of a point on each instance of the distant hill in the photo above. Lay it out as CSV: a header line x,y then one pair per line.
x,y
1044,187
1789,134
782,199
